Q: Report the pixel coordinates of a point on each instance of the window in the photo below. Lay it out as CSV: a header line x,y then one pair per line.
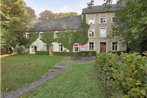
x,y
91,21
40,35
114,46
56,34
114,19
60,47
27,35
75,47
91,45
91,33
103,20
103,32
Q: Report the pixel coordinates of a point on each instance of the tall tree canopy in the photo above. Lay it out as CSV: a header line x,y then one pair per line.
x,y
31,13
14,21
46,15
132,23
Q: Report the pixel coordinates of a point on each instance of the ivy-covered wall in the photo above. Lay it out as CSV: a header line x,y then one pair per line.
x,y
67,37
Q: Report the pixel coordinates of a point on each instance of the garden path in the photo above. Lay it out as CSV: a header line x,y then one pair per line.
x,y
59,67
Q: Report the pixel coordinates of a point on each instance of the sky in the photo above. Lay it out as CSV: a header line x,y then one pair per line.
x,y
57,6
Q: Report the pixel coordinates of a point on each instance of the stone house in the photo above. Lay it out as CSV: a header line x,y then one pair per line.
x,y
100,19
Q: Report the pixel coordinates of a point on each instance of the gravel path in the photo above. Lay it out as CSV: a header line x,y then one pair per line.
x,y
67,61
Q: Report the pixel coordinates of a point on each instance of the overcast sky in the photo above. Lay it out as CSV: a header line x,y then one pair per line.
x,y
60,5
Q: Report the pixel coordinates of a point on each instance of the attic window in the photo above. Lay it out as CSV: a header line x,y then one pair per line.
x,y
56,34
27,35
40,35
102,20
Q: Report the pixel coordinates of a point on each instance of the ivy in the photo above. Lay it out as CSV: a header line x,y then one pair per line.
x,y
66,37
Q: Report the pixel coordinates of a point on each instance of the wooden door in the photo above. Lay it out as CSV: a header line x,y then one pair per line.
x,y
102,46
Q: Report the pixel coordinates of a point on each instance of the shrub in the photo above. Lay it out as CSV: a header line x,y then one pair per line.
x,y
123,75
21,49
75,54
117,52
42,53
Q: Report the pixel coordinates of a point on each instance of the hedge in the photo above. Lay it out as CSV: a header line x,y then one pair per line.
x,y
42,53
82,53
122,76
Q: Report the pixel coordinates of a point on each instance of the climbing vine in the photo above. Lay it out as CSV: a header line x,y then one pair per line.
x,y
66,37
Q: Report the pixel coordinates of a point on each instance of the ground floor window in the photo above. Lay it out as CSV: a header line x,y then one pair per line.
x,y
75,47
114,46
91,45
60,47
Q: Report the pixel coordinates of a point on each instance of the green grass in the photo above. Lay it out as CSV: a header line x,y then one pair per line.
x,y
77,81
19,70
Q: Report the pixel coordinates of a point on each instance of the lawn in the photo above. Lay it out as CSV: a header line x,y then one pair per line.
x,y
19,70
77,81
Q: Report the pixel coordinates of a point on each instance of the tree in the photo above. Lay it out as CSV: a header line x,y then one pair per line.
x,y
72,14
132,23
46,15
90,4
14,21
61,14
31,13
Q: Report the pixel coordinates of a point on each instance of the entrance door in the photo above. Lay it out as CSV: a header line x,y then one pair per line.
x,y
102,46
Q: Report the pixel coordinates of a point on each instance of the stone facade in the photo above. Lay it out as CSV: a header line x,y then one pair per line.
x,y
100,26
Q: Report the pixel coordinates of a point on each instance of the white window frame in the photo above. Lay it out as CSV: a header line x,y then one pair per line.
x,y
89,45
112,46
55,34
93,19
27,35
93,30
60,47
102,28
74,47
41,35
101,18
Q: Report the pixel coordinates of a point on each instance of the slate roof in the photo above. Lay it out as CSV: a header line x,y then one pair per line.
x,y
59,24
100,9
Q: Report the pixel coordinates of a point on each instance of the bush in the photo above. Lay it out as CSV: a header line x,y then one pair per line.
x,y
79,54
42,53
123,75
21,49
117,52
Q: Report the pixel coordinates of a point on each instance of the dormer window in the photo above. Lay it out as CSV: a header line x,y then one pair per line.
x,y
91,33
91,21
102,20
27,35
56,34
40,35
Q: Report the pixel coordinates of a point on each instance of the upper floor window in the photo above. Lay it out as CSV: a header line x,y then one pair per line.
x,y
103,32
91,46
114,19
91,33
91,21
102,20
56,34
114,46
